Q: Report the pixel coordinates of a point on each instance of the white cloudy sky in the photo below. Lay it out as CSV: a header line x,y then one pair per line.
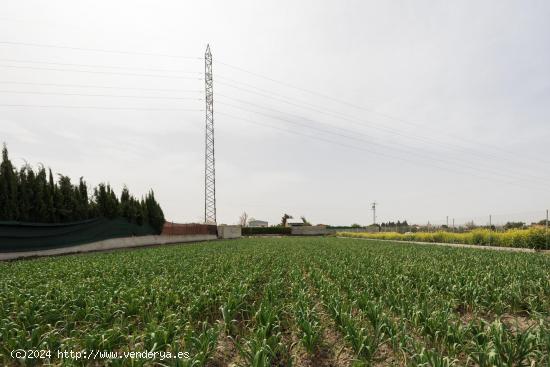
x,y
430,108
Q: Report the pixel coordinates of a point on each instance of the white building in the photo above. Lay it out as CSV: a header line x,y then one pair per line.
x,y
295,223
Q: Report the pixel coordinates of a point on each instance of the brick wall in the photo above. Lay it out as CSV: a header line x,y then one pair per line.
x,y
178,229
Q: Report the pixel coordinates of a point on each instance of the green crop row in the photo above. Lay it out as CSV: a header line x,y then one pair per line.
x,y
283,301
534,238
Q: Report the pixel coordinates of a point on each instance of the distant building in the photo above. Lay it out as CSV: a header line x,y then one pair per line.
x,y
257,223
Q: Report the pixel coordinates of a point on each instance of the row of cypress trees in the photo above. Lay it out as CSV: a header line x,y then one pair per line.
x,y
27,195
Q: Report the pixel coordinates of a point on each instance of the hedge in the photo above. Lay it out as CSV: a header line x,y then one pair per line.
x,y
253,231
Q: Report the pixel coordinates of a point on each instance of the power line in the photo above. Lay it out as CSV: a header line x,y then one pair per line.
x,y
315,108
374,125
353,137
500,215
280,82
101,72
416,125
102,107
293,132
99,95
362,123
152,97
29,44
383,154
99,66
101,87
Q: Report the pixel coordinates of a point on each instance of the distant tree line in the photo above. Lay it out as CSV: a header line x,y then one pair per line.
x,y
515,225
394,224
27,195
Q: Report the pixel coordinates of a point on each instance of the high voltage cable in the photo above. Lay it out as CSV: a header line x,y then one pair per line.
x,y
452,160
153,97
311,107
289,85
103,107
311,92
358,122
29,44
347,118
496,215
166,76
416,125
101,87
280,82
101,66
101,72
99,95
497,174
293,132
315,108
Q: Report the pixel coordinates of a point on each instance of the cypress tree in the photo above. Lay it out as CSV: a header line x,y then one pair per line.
x,y
125,203
133,211
84,202
143,212
139,212
113,204
40,196
8,188
26,195
50,198
100,195
67,200
154,212
78,206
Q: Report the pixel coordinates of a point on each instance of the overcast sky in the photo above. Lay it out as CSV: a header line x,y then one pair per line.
x,y
430,108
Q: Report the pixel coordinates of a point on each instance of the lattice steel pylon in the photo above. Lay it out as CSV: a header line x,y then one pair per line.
x,y
209,158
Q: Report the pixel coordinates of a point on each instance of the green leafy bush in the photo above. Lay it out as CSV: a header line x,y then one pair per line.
x,y
253,231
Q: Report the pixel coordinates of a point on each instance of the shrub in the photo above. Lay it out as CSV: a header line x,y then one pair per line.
x,y
253,231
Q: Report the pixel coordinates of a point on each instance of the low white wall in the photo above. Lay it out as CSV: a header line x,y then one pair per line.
x,y
114,243
229,231
309,231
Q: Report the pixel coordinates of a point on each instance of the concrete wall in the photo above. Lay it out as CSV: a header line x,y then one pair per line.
x,y
229,231
309,231
114,243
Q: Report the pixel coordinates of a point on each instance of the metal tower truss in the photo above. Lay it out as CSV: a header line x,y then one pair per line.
x,y
209,158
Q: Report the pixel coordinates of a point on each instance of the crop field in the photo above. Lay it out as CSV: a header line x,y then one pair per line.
x,y
283,302
532,238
